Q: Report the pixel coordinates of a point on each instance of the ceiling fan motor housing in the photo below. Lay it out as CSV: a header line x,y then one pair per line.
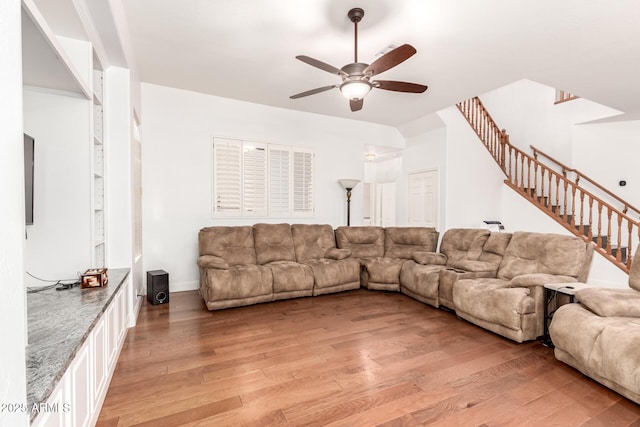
x,y
356,14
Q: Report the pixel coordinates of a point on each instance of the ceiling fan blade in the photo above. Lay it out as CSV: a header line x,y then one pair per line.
x,y
322,65
399,86
390,59
313,91
356,105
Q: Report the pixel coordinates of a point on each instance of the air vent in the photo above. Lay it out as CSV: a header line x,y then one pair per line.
x,y
388,48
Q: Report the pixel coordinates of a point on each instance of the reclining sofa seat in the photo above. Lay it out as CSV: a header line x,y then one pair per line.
x,y
600,335
464,253
229,274
333,269
383,251
512,304
275,249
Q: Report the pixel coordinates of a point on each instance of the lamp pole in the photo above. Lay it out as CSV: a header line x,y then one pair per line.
x,y
348,185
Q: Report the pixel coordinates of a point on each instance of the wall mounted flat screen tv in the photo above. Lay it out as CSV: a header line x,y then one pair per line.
x,y
29,144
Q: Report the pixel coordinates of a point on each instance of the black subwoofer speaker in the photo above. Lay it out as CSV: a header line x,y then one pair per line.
x,y
157,287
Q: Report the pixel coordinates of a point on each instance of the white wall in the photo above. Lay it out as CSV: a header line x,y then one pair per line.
x,y
607,153
473,179
527,111
58,245
13,322
177,167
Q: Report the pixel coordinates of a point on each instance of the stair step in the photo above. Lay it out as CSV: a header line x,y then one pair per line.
x,y
585,228
614,247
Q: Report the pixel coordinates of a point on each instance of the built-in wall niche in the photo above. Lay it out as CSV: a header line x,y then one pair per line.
x,y
63,109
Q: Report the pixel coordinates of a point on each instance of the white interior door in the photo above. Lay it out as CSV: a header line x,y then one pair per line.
x,y
388,204
424,198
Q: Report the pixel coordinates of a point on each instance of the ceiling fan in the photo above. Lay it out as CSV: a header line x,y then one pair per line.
x,y
356,77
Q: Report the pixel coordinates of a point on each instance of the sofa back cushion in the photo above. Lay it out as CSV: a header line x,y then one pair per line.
x,y
401,242
273,242
463,244
363,241
233,244
311,241
530,253
495,247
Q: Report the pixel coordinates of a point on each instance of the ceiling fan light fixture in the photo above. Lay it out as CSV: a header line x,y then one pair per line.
x,y
355,89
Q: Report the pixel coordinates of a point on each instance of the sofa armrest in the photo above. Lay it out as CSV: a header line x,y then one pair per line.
x,y
472,265
337,254
211,261
429,258
539,279
610,302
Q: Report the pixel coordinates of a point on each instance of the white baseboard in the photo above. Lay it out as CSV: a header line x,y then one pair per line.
x,y
184,286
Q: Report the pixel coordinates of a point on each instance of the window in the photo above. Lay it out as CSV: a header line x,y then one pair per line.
x,y
258,179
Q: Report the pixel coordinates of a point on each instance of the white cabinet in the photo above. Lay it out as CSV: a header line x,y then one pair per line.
x,y
78,397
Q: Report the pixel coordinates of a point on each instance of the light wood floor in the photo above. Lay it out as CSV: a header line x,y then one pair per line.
x,y
359,358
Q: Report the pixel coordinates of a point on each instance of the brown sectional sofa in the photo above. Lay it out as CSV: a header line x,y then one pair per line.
x,y
494,280
600,335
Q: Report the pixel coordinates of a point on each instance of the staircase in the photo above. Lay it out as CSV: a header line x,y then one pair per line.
x,y
558,193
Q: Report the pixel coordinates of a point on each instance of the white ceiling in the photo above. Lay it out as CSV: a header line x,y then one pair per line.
x,y
245,49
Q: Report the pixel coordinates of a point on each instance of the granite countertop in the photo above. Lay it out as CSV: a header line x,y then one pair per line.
x,y
59,322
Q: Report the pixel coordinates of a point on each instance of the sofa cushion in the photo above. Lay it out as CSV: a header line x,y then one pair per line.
x,y
383,270
238,282
311,241
233,244
401,242
492,300
211,261
463,243
539,279
529,253
421,280
362,241
335,253
428,258
331,273
273,242
608,302
290,276
471,265
495,247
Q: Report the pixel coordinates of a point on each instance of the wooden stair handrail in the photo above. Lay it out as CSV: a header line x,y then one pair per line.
x,y
583,213
580,175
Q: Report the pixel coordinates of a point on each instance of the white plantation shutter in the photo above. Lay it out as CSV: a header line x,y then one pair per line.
x,y
279,180
254,179
227,174
258,179
302,182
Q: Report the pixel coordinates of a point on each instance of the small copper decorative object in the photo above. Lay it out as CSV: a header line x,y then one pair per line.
x,y
94,278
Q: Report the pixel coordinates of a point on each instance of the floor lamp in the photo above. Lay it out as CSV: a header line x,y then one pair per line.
x,y
348,185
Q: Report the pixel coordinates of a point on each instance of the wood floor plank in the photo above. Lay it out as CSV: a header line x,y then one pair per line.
x,y
357,358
